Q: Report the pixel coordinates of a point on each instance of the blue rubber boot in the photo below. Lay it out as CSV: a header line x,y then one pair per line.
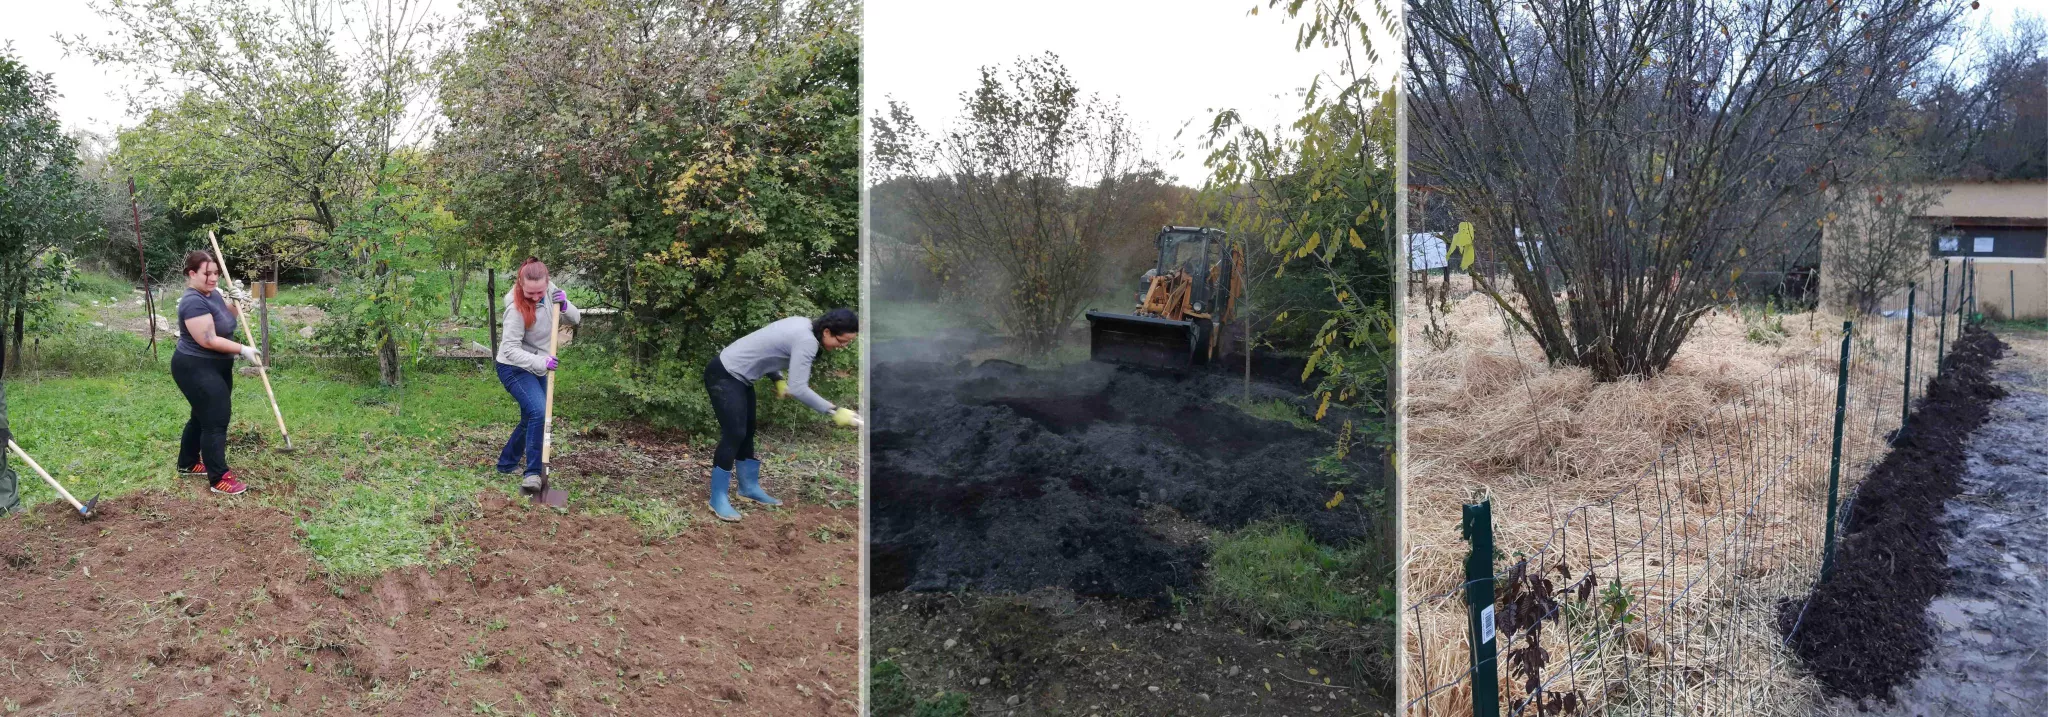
x,y
750,483
721,480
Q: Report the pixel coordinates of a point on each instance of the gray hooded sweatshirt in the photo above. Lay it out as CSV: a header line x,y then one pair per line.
x,y
786,345
527,347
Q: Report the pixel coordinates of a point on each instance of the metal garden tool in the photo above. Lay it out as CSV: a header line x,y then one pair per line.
x,y
250,338
84,509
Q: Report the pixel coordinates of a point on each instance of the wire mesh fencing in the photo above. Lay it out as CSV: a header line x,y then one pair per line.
x,y
1672,594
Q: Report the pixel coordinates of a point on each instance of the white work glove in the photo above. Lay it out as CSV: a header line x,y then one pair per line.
x,y
238,293
846,418
250,354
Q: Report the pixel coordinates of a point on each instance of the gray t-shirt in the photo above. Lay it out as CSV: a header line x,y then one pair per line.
x,y
787,346
194,304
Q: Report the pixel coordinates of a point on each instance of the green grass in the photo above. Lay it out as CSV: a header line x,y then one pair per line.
x,y
2011,325
302,295
890,695
90,285
1276,573
382,478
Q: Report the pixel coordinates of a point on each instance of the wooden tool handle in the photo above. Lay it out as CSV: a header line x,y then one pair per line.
x,y
46,475
547,424
262,371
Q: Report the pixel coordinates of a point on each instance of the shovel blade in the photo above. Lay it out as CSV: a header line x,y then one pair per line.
x,y
548,494
554,498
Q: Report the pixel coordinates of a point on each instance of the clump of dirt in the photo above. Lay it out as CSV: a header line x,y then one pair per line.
x,y
169,605
998,477
1048,652
1863,631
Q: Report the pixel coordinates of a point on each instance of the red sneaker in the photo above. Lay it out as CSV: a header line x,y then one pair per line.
x,y
229,485
197,469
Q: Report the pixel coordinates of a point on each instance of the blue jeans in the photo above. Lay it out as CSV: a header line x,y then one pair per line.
x,y
531,392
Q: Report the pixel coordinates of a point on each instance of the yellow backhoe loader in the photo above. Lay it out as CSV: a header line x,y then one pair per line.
x,y
1182,304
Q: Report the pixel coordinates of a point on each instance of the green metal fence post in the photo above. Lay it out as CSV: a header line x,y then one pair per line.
x,y
1906,404
1969,285
1827,550
1941,340
1477,526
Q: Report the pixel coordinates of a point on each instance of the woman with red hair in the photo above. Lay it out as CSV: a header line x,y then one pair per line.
x,y
524,362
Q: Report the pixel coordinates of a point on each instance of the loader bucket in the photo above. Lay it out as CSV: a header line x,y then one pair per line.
x,y
1140,340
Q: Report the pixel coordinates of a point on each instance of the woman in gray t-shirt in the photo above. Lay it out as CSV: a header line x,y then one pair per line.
x,y
783,351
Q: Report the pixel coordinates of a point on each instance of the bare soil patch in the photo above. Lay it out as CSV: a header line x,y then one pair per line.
x,y
167,605
1048,652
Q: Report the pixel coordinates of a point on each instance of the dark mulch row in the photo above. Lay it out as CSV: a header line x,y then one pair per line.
x,y
1863,631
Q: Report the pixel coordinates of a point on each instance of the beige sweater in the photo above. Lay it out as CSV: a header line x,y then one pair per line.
x,y
527,346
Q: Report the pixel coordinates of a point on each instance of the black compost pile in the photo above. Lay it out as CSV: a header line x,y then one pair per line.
x,y
1864,630
998,477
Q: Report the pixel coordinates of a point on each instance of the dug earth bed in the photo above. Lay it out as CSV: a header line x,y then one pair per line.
x,y
166,605
1082,505
1864,631
1049,652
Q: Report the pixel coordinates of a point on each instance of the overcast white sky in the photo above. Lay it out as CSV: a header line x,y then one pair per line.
x,y
1167,63
91,97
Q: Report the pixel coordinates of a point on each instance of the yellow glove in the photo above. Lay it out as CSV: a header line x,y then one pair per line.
x,y
845,417
781,388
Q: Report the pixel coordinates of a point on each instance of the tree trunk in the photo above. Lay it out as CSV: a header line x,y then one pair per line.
x,y
490,319
387,339
263,311
5,362
455,296
20,314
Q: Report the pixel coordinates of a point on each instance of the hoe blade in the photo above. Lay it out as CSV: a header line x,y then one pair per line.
x,y
1140,340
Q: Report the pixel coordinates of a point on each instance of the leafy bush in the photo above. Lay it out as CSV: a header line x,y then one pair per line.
x,y
742,204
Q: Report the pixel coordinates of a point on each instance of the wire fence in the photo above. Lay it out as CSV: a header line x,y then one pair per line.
x,y
1673,595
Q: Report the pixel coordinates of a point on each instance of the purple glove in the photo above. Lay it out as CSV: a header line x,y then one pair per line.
x,y
561,297
551,363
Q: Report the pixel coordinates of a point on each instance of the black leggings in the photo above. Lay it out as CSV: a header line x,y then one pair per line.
x,y
733,401
209,385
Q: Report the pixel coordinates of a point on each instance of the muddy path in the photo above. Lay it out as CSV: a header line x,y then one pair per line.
x,y
998,477
178,605
1989,648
